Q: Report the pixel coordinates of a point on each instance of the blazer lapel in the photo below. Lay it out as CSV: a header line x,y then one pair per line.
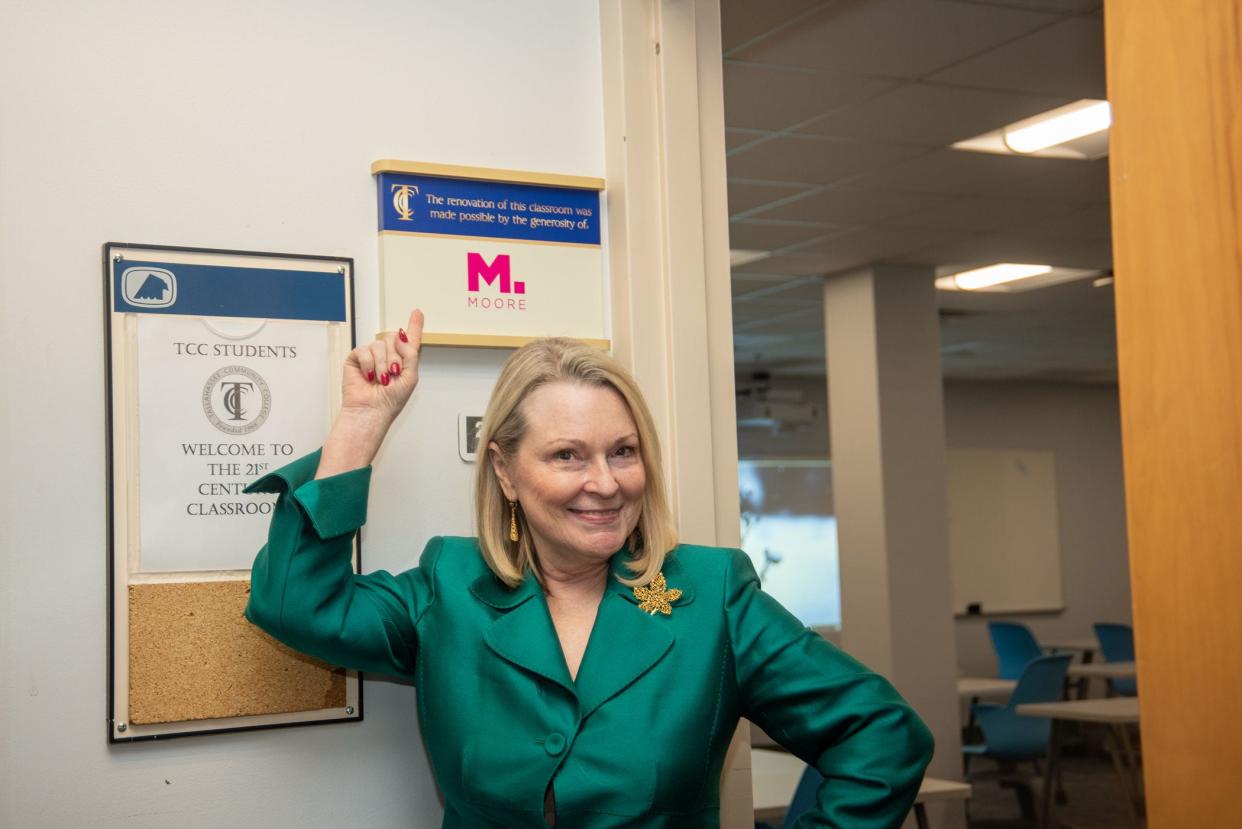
x,y
625,642
523,634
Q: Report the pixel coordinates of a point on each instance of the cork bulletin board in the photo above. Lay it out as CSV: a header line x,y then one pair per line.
x,y
221,366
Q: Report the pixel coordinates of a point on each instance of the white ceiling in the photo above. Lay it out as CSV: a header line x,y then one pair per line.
x,y
839,117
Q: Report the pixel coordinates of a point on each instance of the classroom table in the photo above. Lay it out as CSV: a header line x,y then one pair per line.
x,y
1086,646
1104,670
1117,713
1085,672
974,688
977,687
775,776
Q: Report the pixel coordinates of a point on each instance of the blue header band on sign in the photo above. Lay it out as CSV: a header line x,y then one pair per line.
x,y
496,210
218,291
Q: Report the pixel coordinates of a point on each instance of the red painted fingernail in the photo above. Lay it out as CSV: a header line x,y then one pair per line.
x,y
384,378
396,369
370,376
401,334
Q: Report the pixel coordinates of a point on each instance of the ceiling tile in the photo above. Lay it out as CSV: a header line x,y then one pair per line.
x,y
1063,180
743,20
748,235
850,206
1092,253
744,283
775,98
790,264
1015,245
1066,59
982,213
871,245
954,172
932,115
750,317
987,248
790,322
893,38
1070,6
747,196
777,353
991,62
738,137
800,289
759,307
814,160
1084,223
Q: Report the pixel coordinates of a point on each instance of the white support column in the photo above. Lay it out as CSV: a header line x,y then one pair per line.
x,y
668,243
886,413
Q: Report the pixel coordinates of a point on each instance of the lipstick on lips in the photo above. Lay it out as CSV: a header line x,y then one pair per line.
x,y
597,516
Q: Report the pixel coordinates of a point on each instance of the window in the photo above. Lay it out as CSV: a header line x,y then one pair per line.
x,y
790,533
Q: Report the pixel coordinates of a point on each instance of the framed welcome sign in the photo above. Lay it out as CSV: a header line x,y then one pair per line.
x,y
221,366
493,257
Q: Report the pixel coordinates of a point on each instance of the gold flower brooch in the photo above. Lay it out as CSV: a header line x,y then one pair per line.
x,y
656,596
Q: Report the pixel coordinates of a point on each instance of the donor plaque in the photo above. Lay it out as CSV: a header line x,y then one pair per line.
x,y
494,257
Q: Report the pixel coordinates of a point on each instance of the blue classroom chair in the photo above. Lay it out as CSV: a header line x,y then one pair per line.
x,y
1010,738
1117,645
1015,646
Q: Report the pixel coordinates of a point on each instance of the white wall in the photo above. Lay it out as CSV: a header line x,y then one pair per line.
x,y
1081,425
247,126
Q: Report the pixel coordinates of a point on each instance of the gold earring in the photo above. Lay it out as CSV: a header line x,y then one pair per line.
x,y
513,530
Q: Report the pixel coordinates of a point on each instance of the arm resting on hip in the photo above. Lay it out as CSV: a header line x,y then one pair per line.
x,y
827,708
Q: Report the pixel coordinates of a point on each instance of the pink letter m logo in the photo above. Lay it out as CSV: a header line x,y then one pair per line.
x,y
478,268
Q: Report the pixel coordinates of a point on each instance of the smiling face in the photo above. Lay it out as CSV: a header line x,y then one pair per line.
x,y
577,473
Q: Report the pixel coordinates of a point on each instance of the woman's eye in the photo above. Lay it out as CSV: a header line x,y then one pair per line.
x,y
564,455
625,451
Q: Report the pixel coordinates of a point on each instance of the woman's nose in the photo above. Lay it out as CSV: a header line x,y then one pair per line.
x,y
600,479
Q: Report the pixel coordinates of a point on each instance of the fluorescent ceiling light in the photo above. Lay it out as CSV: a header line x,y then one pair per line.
x,y
738,258
1059,126
1007,277
1078,131
993,275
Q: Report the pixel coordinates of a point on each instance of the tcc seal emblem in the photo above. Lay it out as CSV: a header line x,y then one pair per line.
x,y
236,400
401,200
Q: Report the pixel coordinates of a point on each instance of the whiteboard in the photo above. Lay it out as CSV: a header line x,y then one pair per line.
x,y
1003,530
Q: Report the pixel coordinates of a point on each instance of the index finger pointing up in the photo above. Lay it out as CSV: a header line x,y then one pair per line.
x,y
409,345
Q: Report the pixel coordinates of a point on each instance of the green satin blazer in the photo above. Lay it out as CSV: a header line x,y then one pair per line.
x,y
639,739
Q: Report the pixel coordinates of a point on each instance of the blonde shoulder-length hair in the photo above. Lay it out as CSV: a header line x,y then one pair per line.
x,y
557,360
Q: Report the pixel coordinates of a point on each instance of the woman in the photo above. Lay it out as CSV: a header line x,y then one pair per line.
x,y
575,666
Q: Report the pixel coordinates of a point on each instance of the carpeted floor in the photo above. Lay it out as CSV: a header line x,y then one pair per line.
x,y
1093,798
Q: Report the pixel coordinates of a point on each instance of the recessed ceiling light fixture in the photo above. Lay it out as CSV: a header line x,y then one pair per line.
x,y
1078,130
1008,276
737,257
993,275
1059,126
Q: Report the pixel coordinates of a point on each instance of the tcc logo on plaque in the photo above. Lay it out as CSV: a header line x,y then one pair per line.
x,y
236,400
149,287
401,200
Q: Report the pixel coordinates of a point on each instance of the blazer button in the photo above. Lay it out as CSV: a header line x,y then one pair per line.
x,y
554,744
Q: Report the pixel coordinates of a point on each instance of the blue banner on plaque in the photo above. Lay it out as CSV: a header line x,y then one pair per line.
x,y
220,291
488,209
